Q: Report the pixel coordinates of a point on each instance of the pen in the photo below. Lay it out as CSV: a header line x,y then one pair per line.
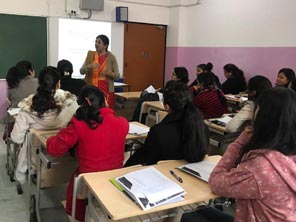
x,y
176,176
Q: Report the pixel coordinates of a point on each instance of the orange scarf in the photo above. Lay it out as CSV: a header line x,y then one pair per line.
x,y
102,61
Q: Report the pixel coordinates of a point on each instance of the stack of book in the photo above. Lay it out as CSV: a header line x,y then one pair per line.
x,y
149,188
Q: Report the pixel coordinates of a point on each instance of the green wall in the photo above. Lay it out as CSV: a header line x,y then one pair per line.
x,y
22,37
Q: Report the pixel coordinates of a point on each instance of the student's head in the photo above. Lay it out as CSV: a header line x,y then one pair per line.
x,y
26,68
206,80
102,43
91,100
176,95
180,74
204,68
231,70
178,101
285,77
49,81
275,122
256,86
13,77
65,68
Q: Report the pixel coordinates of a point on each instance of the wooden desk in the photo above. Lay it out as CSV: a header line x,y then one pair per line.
x,y
219,137
115,205
234,101
126,103
137,136
151,107
129,95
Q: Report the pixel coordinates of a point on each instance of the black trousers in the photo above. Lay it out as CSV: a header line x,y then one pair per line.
x,y
209,214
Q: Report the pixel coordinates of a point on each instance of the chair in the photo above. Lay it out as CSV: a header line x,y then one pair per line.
x,y
160,116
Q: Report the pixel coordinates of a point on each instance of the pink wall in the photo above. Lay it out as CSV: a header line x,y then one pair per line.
x,y
265,61
3,96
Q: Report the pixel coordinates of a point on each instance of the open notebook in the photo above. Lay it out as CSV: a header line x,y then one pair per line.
x,y
149,188
201,170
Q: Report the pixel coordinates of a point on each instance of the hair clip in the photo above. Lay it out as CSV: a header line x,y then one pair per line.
x,y
88,101
66,73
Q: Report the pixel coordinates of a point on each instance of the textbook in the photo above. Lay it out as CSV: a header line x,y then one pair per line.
x,y
201,170
149,188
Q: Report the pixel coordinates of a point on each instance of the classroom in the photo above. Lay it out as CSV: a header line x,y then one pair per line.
x,y
259,37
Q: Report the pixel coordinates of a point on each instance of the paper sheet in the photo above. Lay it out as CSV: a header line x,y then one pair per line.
x,y
136,129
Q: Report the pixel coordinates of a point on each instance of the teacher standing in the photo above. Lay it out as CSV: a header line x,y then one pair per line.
x,y
101,69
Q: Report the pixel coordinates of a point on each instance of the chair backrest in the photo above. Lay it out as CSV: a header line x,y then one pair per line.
x,y
160,116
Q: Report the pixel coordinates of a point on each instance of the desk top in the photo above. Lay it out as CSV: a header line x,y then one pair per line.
x,y
118,206
43,135
138,136
215,126
235,98
129,95
120,84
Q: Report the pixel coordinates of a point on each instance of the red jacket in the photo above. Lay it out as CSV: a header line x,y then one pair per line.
x,y
96,149
263,182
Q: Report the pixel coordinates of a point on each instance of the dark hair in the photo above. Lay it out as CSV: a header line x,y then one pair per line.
x,y
91,99
206,67
194,132
18,72
208,81
289,73
26,67
275,122
236,73
65,68
258,84
13,77
43,100
105,40
182,74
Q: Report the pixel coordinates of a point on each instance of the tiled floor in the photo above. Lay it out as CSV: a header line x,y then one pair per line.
x,y
15,208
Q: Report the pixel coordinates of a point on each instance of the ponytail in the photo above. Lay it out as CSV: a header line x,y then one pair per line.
x,y
195,134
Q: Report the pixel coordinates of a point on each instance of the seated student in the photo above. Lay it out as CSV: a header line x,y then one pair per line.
x,y
21,82
285,77
182,134
209,99
179,74
201,68
235,80
258,168
49,108
65,69
98,136
256,86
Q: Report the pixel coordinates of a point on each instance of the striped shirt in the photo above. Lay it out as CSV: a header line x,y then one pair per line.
x,y
209,104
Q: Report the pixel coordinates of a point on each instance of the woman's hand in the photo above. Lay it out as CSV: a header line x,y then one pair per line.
x,y
93,65
248,131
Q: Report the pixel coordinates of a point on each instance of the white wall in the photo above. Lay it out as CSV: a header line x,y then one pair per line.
x,y
56,8
232,23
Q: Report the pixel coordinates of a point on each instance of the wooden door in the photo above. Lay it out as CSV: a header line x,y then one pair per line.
x,y
144,55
